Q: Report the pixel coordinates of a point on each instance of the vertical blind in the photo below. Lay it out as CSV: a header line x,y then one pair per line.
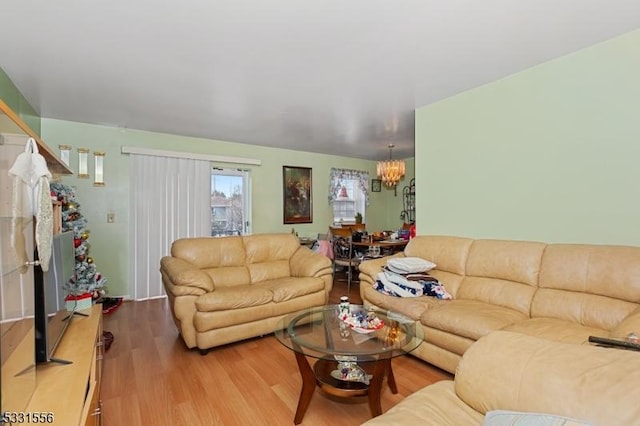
x,y
170,199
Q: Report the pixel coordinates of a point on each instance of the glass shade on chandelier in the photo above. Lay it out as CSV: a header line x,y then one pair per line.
x,y
390,171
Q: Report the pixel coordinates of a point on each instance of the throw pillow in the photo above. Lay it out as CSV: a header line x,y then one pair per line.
x,y
409,265
520,418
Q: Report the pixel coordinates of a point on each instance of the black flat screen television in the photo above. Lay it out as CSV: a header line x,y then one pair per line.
x,y
51,316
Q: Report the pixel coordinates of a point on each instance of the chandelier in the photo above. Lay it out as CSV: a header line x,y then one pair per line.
x,y
391,171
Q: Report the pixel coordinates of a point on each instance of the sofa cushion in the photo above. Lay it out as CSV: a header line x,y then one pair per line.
x,y
517,261
436,404
288,288
531,374
216,322
499,292
210,252
503,273
270,270
234,298
582,308
470,318
556,329
452,343
449,253
449,280
593,285
229,276
268,255
610,271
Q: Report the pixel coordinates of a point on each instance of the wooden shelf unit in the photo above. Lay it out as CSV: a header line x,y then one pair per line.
x,y
72,391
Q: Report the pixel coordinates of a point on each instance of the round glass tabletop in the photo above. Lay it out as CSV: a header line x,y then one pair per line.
x,y
358,335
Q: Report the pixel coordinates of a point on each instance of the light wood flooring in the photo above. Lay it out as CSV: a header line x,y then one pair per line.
x,y
151,378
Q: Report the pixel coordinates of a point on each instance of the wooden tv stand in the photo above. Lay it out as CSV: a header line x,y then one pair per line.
x,y
71,392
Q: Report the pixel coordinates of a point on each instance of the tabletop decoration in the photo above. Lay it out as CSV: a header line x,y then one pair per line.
x,y
362,321
349,370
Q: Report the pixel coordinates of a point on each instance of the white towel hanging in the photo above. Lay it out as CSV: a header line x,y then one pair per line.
x,y
31,197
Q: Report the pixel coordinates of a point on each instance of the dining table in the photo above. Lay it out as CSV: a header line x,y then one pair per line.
x,y
384,247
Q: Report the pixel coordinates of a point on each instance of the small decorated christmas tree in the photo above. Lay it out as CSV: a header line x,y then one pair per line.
x,y
86,280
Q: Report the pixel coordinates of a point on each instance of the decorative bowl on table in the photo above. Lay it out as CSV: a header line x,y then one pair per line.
x,y
363,321
366,330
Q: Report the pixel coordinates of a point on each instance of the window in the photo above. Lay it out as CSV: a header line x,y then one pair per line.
x,y
348,194
350,201
230,206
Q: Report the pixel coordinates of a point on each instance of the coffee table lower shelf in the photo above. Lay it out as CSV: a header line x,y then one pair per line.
x,y
321,377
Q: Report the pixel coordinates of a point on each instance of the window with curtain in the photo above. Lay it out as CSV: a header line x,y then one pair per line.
x,y
348,194
170,199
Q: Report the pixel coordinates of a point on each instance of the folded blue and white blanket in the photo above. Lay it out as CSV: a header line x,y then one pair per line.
x,y
393,284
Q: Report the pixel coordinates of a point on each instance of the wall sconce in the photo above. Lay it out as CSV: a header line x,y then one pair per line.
x,y
83,157
98,158
65,153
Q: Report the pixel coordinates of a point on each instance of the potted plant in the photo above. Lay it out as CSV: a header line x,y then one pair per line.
x,y
358,217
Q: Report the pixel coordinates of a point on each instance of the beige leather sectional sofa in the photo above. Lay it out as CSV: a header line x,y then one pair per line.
x,y
510,378
226,289
560,292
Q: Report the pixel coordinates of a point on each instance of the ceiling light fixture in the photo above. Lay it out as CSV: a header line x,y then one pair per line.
x,y
391,171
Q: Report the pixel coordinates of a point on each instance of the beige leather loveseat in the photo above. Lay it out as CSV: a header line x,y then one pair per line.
x,y
227,289
529,380
561,292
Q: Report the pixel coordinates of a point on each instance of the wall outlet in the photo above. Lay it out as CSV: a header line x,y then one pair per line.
x,y
111,217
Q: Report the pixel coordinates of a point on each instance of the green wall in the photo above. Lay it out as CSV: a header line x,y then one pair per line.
x,y
110,241
11,96
548,154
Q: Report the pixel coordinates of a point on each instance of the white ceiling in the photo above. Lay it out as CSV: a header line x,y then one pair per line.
x,y
339,77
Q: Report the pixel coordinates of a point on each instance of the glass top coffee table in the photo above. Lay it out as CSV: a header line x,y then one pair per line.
x,y
353,350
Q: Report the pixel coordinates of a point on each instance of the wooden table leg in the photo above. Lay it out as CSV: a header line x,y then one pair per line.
x,y
308,387
391,380
382,367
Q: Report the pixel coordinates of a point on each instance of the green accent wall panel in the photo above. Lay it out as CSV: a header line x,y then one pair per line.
x,y
10,94
549,154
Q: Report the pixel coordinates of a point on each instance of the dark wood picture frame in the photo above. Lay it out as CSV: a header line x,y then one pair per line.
x,y
376,185
297,195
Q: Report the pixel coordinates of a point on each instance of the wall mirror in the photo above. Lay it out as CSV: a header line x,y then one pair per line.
x,y
17,339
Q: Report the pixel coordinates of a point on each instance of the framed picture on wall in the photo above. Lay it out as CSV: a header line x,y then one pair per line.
x,y
376,185
297,197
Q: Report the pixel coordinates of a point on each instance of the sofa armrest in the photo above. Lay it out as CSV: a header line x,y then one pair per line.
x,y
184,274
631,324
307,263
513,371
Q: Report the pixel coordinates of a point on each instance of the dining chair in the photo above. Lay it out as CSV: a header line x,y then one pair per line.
x,y
343,254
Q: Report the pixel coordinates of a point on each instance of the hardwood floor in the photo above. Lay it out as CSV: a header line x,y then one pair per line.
x,y
151,378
